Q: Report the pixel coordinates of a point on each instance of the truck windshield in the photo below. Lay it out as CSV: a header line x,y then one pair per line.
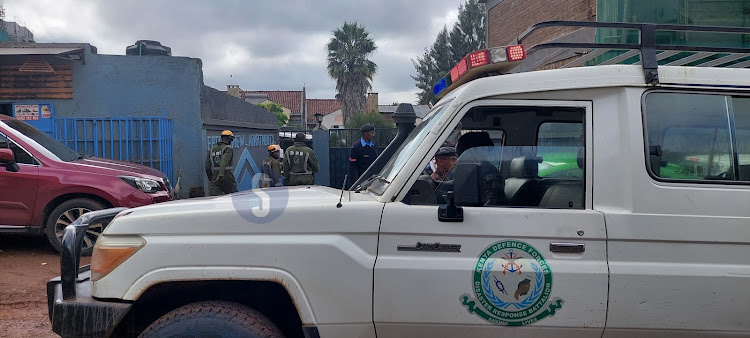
x,y
407,149
54,146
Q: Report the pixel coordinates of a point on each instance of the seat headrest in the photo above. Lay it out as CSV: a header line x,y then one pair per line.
x,y
473,139
525,167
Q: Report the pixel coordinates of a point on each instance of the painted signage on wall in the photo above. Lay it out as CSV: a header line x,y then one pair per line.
x,y
250,149
38,115
26,112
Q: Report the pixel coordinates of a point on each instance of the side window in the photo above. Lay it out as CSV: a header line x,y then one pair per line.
x,y
698,137
22,157
526,157
559,144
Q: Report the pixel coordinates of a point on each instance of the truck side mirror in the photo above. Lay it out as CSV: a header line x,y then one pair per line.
x,y
8,160
467,186
466,191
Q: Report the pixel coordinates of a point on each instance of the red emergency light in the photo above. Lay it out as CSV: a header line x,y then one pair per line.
x,y
479,64
458,70
479,58
515,53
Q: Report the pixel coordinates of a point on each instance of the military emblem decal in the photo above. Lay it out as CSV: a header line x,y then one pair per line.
x,y
512,285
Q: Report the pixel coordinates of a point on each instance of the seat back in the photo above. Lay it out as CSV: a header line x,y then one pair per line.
x,y
520,188
567,194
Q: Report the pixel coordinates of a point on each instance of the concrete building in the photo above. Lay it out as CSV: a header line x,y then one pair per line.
x,y
15,32
73,80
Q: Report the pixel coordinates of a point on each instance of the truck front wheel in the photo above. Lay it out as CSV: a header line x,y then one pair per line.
x,y
212,319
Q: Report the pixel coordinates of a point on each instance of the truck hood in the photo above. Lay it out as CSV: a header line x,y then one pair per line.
x,y
100,165
272,210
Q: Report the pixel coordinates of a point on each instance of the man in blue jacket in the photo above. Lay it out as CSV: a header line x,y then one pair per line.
x,y
363,153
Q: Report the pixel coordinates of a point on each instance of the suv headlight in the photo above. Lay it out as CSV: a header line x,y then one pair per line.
x,y
111,252
143,184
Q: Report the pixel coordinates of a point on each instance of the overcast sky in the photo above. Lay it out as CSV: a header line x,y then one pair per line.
x,y
264,45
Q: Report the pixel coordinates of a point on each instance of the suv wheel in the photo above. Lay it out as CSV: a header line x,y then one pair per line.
x,y
212,319
65,214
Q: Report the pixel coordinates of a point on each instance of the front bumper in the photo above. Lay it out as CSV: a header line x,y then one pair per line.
x,y
82,316
73,310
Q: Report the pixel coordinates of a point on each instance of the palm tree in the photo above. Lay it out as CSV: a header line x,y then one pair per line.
x,y
349,66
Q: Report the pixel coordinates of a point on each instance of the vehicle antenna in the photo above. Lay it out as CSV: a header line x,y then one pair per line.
x,y
342,192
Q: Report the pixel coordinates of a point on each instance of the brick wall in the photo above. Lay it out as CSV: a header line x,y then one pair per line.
x,y
510,18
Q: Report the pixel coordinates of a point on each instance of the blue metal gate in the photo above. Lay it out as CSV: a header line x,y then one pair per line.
x,y
143,140
340,143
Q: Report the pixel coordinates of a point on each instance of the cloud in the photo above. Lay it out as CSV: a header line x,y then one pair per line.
x,y
263,45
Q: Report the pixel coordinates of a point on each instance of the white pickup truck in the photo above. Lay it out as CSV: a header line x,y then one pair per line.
x,y
598,201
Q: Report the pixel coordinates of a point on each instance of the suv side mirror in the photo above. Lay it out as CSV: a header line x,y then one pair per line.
x,y
8,160
468,184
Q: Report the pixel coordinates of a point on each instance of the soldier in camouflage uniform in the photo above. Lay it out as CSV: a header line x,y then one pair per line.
x,y
272,167
300,163
219,166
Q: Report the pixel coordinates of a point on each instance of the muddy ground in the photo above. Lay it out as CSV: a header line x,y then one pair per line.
x,y
26,264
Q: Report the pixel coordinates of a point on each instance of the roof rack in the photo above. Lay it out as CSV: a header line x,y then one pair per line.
x,y
650,52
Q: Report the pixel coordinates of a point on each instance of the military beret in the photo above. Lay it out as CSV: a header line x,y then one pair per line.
x,y
446,151
366,128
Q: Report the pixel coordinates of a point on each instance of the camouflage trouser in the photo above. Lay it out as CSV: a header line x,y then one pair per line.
x,y
301,180
223,187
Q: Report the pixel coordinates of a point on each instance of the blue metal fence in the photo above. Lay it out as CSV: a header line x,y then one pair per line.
x,y
143,140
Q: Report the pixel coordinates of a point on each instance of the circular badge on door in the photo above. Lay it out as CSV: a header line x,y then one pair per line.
x,y
512,285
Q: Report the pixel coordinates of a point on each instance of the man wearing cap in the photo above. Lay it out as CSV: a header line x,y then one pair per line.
x,y
300,163
272,167
219,166
429,188
363,153
445,159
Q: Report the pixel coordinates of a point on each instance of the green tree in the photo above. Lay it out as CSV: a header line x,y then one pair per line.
x,y
348,64
469,31
467,35
277,109
431,67
376,119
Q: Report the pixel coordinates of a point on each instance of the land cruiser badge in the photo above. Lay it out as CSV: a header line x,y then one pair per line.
x,y
512,285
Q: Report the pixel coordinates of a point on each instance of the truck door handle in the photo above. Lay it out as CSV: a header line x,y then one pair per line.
x,y
567,247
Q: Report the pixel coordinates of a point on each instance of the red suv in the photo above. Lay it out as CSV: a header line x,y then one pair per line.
x,y
44,185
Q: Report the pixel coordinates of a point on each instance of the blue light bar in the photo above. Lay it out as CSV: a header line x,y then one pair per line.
x,y
439,87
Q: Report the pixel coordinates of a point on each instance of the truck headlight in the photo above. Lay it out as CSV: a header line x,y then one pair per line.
x,y
143,184
111,252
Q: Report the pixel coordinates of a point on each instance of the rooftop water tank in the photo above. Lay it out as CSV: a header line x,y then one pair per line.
x,y
148,47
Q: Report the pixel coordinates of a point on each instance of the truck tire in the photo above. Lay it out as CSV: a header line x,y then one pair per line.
x,y
212,319
66,213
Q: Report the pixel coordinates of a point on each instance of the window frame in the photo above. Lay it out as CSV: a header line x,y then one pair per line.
x,y
9,140
586,105
731,133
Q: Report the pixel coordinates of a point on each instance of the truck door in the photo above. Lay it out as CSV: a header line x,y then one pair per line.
x,y
679,254
18,189
526,258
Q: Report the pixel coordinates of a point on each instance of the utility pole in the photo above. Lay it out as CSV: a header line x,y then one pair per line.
x,y
304,108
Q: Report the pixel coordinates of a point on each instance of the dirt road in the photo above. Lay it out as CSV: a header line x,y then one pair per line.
x,y
26,264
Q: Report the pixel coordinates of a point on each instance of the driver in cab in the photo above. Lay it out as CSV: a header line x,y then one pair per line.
x,y
425,188
445,159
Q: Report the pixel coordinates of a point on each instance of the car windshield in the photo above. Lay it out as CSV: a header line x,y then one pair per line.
x,y
407,149
56,147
